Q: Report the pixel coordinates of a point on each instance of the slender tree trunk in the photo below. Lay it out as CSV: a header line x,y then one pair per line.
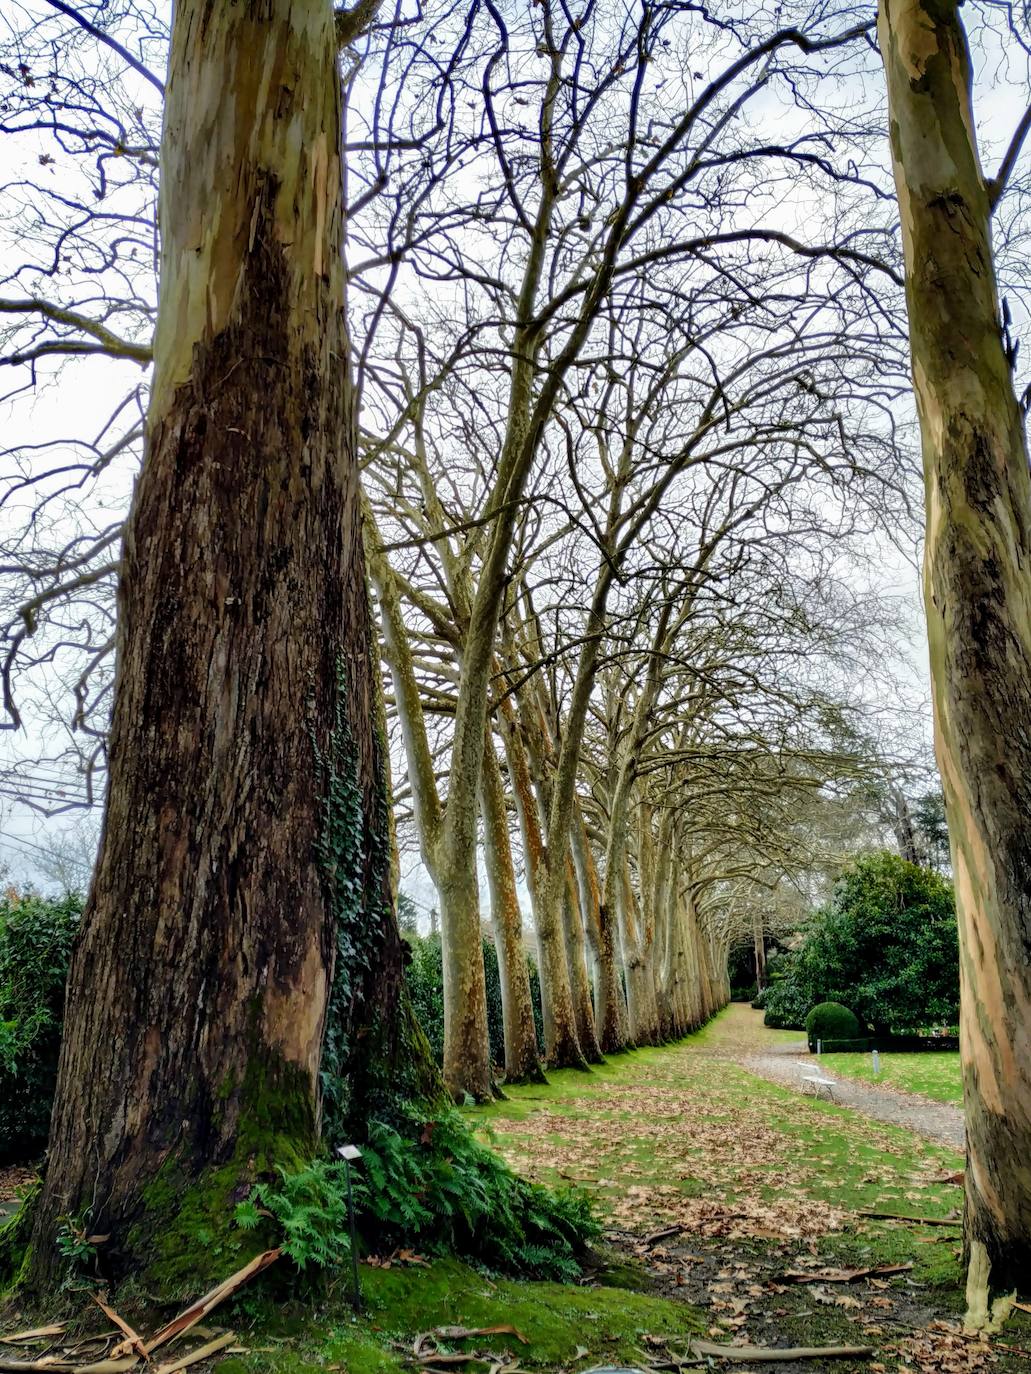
x,y
978,601
637,963
759,945
561,1045
902,825
580,983
467,1064
561,1041
610,1017
522,1059
245,839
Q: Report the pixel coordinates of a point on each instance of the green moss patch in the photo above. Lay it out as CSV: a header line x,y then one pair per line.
x,y
565,1326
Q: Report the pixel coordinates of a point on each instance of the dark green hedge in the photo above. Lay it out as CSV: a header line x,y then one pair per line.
x,y
831,1023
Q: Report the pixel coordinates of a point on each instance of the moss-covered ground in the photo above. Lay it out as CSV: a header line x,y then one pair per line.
x,y
932,1075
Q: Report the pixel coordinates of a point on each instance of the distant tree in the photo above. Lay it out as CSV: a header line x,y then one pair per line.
x,y
929,817
886,946
407,914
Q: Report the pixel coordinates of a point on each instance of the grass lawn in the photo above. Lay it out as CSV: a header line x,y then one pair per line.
x,y
934,1075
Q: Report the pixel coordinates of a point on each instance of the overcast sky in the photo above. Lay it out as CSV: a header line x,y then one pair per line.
x,y
79,397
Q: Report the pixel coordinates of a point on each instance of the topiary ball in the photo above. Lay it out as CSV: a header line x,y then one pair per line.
x,y
831,1021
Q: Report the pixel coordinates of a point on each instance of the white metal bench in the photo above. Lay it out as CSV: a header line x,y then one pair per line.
x,y
817,1083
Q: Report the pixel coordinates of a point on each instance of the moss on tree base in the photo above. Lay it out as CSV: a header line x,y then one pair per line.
x,y
14,1242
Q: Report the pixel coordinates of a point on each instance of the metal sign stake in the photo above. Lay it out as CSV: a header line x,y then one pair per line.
x,y
348,1153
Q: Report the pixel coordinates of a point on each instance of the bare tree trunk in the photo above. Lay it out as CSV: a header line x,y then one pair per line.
x,y
579,982
610,1016
759,944
246,839
467,1067
978,601
902,825
637,964
561,1044
522,1061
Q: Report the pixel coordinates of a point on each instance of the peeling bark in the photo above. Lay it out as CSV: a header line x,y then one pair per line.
x,y
978,601
245,767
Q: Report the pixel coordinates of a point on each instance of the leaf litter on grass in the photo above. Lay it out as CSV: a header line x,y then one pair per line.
x,y
719,1184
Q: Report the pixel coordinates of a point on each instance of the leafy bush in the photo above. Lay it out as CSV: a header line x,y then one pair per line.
x,y
425,975
833,1024
886,946
788,999
425,978
36,936
427,1182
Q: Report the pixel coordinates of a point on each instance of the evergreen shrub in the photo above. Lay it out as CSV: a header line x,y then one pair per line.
x,y
834,1025
36,936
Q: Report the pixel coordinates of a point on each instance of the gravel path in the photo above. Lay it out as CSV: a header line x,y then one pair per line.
x,y
739,1035
937,1121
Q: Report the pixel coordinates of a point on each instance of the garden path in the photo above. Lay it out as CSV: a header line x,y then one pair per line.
x,y
781,1057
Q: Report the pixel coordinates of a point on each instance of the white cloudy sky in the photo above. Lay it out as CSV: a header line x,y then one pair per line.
x,y
80,397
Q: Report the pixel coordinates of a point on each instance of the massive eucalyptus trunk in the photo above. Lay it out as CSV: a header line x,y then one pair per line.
x,y
241,901
978,601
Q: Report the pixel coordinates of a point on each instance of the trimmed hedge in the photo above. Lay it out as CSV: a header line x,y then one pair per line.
x,y
832,1024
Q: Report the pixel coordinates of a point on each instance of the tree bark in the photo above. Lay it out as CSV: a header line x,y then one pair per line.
x,y
978,601
467,1066
610,1017
579,981
522,1058
759,946
241,900
561,1045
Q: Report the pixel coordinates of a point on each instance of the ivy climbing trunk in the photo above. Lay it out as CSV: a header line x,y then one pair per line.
x,y
245,837
978,602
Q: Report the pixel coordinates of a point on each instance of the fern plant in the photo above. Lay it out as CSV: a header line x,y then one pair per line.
x,y
309,1210
427,1182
